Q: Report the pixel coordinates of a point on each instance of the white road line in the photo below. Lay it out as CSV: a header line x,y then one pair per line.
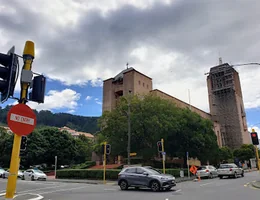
x,y
39,197
66,189
2,194
1,191
110,189
178,190
44,188
206,183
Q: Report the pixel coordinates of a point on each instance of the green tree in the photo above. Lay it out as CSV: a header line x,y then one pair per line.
x,y
225,153
245,152
153,118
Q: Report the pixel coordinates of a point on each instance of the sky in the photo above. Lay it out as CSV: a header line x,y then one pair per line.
x,y
80,43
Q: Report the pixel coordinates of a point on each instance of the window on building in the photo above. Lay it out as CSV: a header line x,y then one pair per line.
x,y
147,86
143,84
139,82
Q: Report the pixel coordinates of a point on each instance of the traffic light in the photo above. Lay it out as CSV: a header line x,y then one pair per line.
x,y
254,138
23,143
159,146
8,75
108,149
38,89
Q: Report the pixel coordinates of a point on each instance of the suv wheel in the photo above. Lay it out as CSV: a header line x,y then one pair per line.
x,y
155,186
123,185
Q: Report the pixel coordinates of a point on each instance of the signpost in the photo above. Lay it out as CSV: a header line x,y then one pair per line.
x,y
21,119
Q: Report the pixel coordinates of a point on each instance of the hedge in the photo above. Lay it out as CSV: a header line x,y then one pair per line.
x,y
97,174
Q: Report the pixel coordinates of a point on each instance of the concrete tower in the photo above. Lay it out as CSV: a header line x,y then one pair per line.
x,y
226,105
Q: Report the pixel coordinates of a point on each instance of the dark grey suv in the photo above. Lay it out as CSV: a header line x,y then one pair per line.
x,y
145,177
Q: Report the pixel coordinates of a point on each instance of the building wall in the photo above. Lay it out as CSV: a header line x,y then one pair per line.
x,y
226,105
108,93
181,104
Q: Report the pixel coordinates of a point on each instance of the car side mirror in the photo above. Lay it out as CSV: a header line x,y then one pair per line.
x,y
145,173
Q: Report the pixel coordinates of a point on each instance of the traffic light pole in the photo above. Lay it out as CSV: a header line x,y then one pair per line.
x,y
257,157
163,156
28,56
104,164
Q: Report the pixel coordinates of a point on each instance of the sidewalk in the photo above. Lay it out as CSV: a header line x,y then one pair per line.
x,y
256,184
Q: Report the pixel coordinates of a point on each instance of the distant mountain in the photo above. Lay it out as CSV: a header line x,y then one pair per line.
x,y
47,118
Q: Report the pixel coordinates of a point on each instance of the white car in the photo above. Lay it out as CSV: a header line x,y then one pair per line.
x,y
1,171
34,174
6,174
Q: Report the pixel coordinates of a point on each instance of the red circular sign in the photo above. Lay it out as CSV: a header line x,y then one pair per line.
x,y
21,119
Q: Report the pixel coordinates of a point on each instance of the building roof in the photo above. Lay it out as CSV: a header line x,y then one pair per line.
x,y
182,101
76,133
121,74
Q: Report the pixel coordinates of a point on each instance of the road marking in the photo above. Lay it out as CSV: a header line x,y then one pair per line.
x,y
2,194
110,189
37,198
178,190
66,189
22,192
206,184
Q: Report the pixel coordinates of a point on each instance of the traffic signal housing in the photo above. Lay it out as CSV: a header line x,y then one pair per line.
x,y
159,146
108,149
23,143
8,70
38,89
254,138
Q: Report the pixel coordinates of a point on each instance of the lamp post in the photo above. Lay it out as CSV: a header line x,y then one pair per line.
x,y
129,130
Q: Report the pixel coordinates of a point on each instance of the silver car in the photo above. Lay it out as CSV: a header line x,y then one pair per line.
x,y
207,171
6,174
145,177
230,170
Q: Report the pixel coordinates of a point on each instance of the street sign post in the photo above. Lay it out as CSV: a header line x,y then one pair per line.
x,y
21,119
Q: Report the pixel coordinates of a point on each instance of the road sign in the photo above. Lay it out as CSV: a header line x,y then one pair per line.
x,y
133,154
21,119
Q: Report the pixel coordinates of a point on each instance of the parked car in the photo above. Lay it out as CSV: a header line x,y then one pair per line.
x,y
230,170
207,171
145,177
6,174
1,171
34,174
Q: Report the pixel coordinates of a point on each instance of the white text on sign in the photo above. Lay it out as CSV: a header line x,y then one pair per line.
x,y
21,119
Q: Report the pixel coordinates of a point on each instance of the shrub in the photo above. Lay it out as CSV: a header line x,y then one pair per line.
x,y
97,174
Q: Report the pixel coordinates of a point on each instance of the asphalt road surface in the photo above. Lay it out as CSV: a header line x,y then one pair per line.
x,y
209,189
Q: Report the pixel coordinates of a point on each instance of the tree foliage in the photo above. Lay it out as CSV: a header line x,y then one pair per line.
x,y
44,144
153,118
47,118
245,152
225,153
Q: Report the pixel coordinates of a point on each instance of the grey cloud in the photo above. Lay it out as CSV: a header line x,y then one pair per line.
x,y
188,27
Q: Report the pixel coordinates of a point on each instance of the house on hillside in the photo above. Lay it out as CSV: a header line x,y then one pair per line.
x,y
76,134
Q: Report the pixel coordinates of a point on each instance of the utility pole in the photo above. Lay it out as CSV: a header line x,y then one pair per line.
x,y
104,162
55,166
163,155
129,134
129,130
28,56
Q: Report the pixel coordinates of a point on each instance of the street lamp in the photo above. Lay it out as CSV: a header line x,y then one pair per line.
x,y
129,130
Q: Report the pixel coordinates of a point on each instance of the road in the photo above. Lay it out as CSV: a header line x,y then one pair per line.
x,y
213,189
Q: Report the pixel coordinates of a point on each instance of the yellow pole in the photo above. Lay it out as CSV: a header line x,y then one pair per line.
x,y
104,164
257,158
28,56
163,156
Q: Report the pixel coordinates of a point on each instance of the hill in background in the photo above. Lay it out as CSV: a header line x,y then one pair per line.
x,y
47,118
